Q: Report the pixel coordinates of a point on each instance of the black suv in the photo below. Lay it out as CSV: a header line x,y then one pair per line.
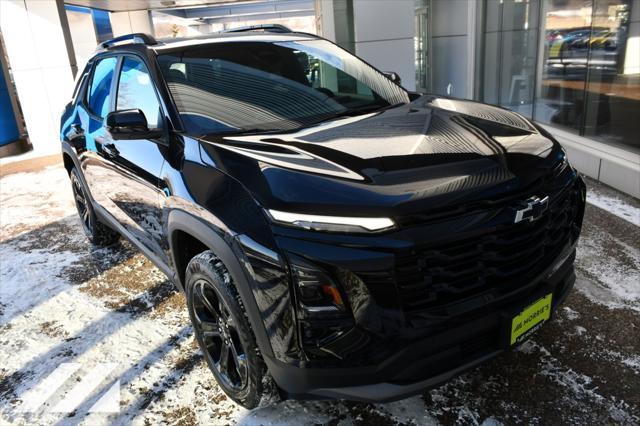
x,y
335,235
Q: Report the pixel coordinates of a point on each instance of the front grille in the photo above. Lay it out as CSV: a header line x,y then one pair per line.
x,y
506,256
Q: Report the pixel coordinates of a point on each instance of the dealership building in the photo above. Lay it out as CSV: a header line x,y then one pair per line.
x,y
571,65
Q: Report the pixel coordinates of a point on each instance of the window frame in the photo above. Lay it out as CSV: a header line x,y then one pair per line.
x,y
79,89
116,87
85,99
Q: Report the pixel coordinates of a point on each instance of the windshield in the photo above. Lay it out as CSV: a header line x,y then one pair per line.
x,y
262,86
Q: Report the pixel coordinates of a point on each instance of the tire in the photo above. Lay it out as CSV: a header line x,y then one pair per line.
x,y
97,232
222,328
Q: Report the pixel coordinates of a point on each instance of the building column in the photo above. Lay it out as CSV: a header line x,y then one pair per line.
x,y
380,32
325,24
38,45
452,47
383,35
138,21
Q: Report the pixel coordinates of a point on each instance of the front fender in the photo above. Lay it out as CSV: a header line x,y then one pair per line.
x,y
221,244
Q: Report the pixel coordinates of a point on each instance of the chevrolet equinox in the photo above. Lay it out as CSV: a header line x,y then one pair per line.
x,y
335,235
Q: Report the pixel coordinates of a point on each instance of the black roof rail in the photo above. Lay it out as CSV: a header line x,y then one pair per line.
x,y
272,28
139,38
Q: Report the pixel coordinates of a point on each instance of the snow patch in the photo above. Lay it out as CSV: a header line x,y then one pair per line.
x,y
580,385
407,411
630,361
35,198
570,313
614,205
612,271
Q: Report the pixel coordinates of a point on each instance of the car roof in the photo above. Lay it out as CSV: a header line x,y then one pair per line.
x,y
166,45
136,42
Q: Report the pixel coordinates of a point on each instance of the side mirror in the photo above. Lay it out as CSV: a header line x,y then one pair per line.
x,y
393,76
130,124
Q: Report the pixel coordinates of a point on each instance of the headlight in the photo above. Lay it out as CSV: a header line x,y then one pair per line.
x,y
317,292
332,223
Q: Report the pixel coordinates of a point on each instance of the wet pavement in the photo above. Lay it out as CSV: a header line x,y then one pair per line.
x,y
110,315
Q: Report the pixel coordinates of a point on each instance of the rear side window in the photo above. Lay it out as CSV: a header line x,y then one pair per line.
x,y
99,93
135,90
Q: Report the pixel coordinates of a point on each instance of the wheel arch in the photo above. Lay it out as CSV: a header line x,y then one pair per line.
x,y
181,224
69,157
68,162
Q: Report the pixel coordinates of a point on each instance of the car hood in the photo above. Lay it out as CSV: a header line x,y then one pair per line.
x,y
427,154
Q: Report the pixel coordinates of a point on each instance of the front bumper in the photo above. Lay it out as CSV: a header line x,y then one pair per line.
x,y
410,329
429,361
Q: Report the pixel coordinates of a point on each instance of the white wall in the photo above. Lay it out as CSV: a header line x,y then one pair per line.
x,y
383,33
138,21
40,63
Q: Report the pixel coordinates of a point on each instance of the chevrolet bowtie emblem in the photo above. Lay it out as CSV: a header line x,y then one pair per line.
x,y
531,209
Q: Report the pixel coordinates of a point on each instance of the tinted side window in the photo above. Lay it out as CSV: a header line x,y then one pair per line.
x,y
135,90
99,96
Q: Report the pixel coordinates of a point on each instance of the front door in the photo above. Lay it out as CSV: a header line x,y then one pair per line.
x,y
124,175
137,164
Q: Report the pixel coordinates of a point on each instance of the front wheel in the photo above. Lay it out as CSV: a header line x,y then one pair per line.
x,y
223,332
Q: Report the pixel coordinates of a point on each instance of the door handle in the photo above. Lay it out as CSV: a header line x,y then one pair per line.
x,y
110,150
76,136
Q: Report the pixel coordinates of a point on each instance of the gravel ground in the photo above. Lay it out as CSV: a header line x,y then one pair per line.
x,y
77,322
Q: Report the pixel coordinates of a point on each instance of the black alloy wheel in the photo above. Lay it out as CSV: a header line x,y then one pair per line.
x,y
224,334
215,325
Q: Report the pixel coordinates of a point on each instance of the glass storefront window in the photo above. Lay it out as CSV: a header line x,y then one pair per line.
x,y
561,93
590,79
612,112
574,64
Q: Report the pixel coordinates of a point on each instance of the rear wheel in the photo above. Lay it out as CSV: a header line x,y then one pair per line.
x,y
98,233
223,332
